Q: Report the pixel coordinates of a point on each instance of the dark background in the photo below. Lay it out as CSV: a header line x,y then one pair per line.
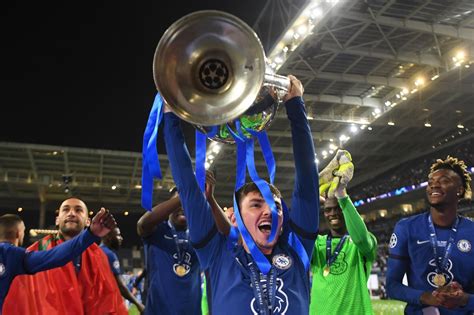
x,y
80,74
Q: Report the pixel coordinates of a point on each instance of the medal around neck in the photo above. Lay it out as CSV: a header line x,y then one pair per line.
x,y
326,271
439,279
180,270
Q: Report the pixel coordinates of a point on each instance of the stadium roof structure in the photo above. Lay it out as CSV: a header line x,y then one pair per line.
x,y
388,80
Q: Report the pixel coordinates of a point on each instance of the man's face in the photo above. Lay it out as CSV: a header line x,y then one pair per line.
x,y
177,217
333,214
257,217
73,217
116,238
21,233
443,187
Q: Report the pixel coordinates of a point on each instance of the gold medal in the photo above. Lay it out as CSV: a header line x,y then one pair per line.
x,y
326,271
180,270
439,279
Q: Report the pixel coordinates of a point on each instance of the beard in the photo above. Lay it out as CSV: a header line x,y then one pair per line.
x,y
71,231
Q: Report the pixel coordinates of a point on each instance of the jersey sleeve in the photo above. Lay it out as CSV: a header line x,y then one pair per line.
x,y
114,262
304,212
202,230
398,264
59,255
16,260
398,246
365,241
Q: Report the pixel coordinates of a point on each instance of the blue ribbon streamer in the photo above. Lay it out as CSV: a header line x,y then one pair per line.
x,y
239,182
200,159
263,186
260,259
245,159
241,158
151,164
266,151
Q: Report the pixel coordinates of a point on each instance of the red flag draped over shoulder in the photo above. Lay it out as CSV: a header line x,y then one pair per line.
x,y
93,291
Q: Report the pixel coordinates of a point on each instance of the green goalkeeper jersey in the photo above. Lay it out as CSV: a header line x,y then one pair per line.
x,y
344,290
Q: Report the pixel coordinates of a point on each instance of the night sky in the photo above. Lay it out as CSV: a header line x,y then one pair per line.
x,y
80,75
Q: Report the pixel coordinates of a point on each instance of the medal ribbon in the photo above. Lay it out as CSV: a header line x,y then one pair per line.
x,y
332,258
264,296
442,262
181,244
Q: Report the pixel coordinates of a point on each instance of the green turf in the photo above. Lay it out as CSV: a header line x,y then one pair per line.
x,y
388,307
133,310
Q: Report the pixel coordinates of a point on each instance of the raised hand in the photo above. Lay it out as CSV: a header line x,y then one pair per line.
x,y
343,175
102,223
296,88
326,175
335,177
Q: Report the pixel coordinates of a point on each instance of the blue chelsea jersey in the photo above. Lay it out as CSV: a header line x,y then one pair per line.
x,y
173,289
231,284
410,242
113,259
230,269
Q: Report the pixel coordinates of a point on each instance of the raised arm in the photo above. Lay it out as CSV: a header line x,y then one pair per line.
x,y
305,201
147,224
60,255
200,222
365,241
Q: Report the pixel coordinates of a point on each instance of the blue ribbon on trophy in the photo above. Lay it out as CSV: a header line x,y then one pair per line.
x,y
150,161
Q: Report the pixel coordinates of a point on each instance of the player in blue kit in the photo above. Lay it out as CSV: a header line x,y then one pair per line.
x,y
110,244
435,248
237,286
173,271
16,261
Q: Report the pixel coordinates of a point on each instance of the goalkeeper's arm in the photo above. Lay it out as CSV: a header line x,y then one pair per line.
x,y
365,241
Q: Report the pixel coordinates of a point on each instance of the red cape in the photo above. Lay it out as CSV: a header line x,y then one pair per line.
x,y
92,291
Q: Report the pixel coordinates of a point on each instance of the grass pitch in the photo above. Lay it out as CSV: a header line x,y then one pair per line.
x,y
388,307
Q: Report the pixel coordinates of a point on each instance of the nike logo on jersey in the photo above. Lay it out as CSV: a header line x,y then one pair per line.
x,y
421,242
167,237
